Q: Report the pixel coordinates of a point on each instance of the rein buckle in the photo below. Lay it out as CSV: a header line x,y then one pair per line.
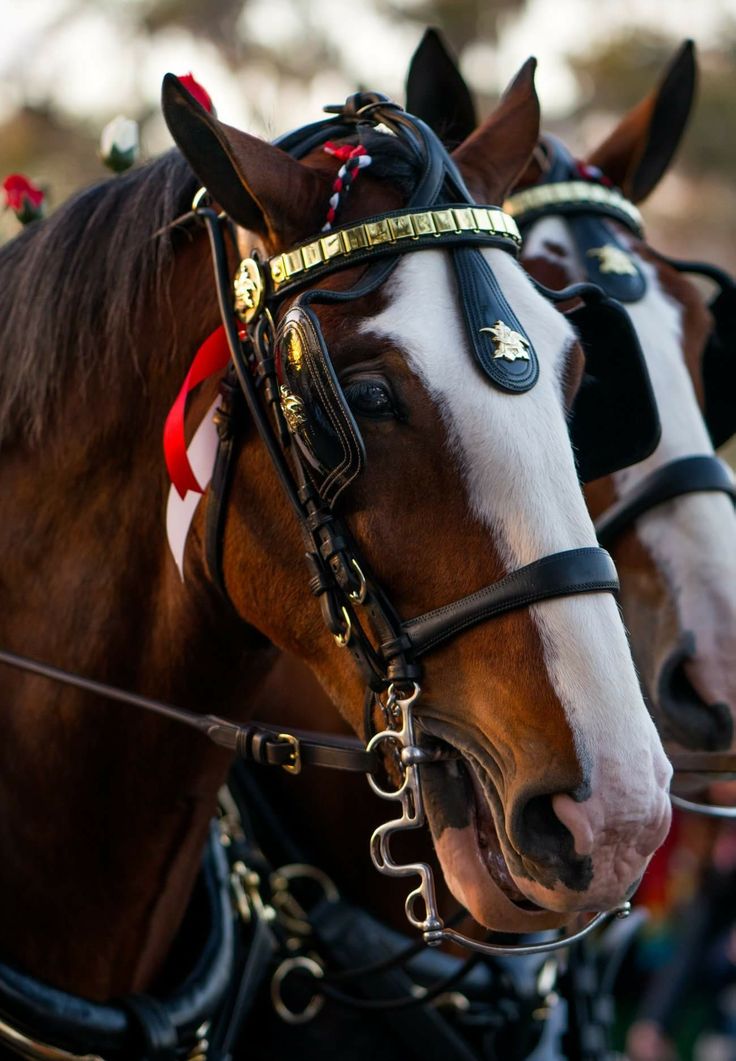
x,y
293,764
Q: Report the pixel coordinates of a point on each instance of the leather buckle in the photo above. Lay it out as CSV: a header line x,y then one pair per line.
x,y
293,764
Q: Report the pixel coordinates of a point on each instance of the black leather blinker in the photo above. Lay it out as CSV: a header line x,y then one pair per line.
x,y
719,368
719,356
314,406
614,421
501,348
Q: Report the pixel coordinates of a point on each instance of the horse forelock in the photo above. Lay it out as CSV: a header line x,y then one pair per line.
x,y
74,288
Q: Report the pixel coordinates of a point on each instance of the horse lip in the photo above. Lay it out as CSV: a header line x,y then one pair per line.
x,y
487,820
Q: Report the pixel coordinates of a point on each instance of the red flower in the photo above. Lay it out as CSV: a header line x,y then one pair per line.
x,y
195,89
23,197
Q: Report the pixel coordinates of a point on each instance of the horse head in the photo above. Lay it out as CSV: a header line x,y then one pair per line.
x,y
677,557
441,441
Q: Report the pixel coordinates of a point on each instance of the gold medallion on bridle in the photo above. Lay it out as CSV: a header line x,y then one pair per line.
x,y
294,350
293,409
612,259
249,288
507,343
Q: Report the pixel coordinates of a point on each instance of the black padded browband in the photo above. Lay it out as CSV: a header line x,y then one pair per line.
x,y
389,234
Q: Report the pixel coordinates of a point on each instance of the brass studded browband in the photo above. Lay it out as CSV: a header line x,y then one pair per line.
x,y
391,233
571,197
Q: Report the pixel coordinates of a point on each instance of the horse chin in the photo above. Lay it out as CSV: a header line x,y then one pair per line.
x,y
471,856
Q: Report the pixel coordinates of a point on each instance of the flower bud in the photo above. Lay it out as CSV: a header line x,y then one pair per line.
x,y
23,197
119,144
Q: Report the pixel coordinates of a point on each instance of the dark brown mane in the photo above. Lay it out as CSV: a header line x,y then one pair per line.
x,y
72,290
73,287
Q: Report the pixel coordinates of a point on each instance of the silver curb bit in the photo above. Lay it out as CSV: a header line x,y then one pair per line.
x,y
399,739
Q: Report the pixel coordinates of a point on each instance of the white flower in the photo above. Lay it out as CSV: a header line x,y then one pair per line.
x,y
119,143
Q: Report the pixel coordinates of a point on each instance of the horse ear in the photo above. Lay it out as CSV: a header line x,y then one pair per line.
x,y
258,185
436,91
641,147
494,156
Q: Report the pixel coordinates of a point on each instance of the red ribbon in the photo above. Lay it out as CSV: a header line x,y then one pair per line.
x,y
212,356
342,151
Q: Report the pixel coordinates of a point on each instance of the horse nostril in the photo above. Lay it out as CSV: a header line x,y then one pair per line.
x,y
686,717
542,834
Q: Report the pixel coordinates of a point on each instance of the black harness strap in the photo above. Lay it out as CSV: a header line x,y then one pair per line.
x,y
157,1033
688,475
587,570
222,473
255,741
158,1029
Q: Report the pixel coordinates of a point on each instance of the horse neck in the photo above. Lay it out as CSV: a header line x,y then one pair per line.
x,y
103,810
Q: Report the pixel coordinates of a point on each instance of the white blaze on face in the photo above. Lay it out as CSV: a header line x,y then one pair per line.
x,y
692,539
543,240
515,455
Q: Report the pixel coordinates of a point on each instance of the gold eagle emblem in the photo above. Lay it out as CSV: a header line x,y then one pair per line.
x,y
612,259
507,343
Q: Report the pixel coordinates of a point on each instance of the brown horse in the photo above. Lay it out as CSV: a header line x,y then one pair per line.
x,y
677,562
105,812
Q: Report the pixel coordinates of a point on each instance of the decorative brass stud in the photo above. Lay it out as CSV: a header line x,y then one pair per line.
x,y
417,225
611,259
571,193
293,409
249,289
294,349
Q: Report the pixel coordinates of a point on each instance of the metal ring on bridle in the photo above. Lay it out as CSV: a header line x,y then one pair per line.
x,y
284,875
357,596
343,638
315,1003
200,196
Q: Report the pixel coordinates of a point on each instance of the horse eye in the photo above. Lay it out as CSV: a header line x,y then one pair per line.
x,y
370,397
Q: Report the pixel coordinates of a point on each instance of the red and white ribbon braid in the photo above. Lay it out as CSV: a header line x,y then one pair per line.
x,y
353,159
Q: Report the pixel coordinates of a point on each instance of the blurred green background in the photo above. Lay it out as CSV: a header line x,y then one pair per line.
x,y
68,66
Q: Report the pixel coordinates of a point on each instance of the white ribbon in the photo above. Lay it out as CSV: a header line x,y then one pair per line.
x,y
201,452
